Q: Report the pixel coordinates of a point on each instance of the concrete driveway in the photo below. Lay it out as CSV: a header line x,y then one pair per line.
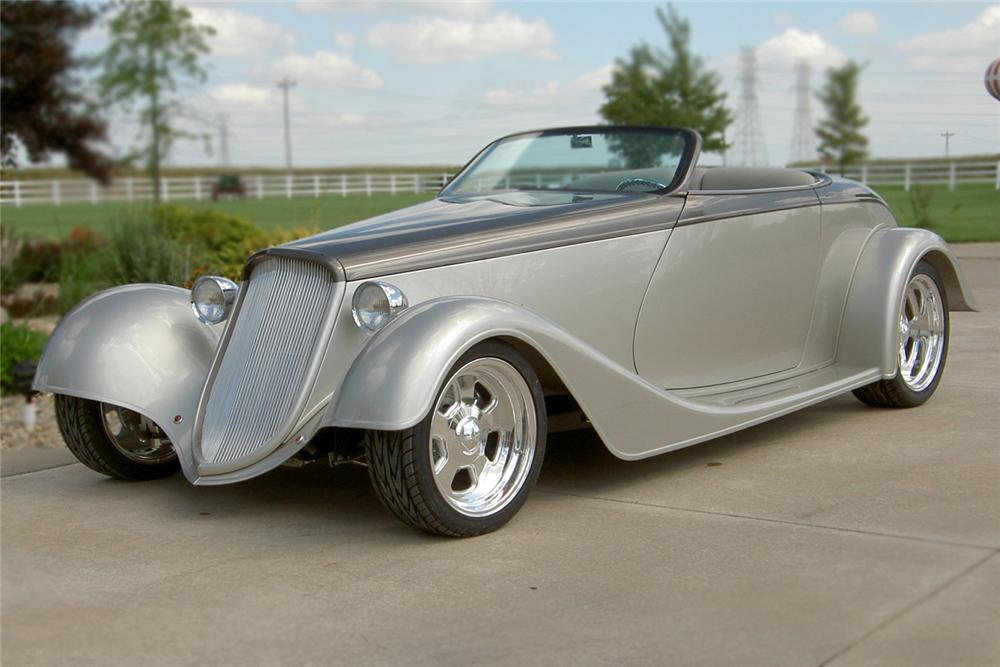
x,y
840,535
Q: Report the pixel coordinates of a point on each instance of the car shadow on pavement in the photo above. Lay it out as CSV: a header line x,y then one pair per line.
x,y
341,500
578,463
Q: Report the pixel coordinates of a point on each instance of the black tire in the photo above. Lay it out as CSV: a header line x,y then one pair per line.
x,y
894,392
400,468
82,427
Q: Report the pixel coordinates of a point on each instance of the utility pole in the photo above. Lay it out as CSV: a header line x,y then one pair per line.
x,y
224,139
285,84
947,141
802,131
750,147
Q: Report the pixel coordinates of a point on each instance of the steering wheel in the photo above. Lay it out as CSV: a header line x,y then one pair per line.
x,y
639,184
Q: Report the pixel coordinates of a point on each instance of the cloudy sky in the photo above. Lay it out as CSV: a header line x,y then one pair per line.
x,y
430,83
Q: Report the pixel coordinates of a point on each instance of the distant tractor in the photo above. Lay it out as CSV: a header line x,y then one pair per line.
x,y
228,185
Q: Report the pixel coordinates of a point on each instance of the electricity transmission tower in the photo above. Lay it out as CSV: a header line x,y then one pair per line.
x,y
285,84
802,149
749,143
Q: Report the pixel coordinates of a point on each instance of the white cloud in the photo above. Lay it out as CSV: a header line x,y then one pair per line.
x,y
327,69
969,47
345,40
859,24
431,40
242,95
466,8
238,33
794,45
582,92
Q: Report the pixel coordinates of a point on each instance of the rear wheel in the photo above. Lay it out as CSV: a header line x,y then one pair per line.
x,y
922,344
467,468
113,440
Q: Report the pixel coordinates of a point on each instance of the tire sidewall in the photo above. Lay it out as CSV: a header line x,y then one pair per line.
x,y
421,445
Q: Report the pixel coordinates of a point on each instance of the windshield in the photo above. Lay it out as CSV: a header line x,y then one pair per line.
x,y
602,159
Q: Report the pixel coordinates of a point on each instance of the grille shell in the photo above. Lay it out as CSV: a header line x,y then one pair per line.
x,y
267,363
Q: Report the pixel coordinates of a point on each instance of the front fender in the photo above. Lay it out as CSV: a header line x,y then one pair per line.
x,y
138,346
869,328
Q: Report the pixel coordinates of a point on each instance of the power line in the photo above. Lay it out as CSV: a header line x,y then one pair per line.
x,y
802,131
286,84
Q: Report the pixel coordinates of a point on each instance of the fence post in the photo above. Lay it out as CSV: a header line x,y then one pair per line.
x,y
260,187
17,194
392,184
316,186
368,184
444,179
165,189
343,185
129,192
93,192
864,174
998,174
56,193
197,188
288,186
907,176
416,184
951,176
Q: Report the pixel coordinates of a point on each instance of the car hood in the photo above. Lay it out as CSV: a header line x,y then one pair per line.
x,y
459,229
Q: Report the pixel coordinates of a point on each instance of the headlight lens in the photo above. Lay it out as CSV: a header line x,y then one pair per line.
x,y
212,298
375,303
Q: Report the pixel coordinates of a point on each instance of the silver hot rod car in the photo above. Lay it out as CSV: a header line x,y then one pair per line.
x,y
585,276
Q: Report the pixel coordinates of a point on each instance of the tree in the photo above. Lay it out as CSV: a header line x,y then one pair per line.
x,y
674,87
840,133
154,48
43,109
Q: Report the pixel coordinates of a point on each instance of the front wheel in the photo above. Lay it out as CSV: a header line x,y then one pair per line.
x,y
922,344
467,468
113,440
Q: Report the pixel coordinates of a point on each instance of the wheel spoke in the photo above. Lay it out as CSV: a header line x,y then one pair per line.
x,y
485,406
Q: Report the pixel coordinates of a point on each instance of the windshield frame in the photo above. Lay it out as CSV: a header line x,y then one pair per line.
x,y
685,165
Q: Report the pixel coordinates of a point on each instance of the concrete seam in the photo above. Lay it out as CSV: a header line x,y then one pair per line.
x,y
908,608
786,522
32,472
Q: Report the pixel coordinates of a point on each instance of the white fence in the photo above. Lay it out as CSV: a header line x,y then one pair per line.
x,y
951,174
19,193
64,191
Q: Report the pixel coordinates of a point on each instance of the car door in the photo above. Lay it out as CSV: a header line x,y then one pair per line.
x,y
732,295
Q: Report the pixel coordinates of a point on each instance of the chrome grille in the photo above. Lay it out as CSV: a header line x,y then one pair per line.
x,y
263,372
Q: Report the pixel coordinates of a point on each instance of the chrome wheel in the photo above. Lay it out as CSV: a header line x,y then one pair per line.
x,y
135,435
921,333
482,437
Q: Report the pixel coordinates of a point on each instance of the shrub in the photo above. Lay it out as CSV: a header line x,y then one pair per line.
x,y
142,251
217,242
19,343
920,203
81,274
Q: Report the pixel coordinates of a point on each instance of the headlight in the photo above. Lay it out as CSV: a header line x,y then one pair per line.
x,y
375,303
212,298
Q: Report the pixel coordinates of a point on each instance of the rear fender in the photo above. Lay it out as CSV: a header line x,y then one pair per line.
x,y
869,328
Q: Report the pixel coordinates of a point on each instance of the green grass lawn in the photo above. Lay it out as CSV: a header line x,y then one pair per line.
x,y
969,213
323,213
